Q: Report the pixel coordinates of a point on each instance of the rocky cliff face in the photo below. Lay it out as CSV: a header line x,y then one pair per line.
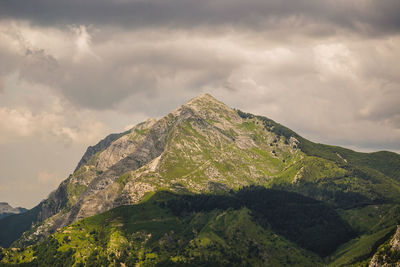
x,y
388,255
92,150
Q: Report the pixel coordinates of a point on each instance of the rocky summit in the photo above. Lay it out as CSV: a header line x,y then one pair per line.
x,y
208,184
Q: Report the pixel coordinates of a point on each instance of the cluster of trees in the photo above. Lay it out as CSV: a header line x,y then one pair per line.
x,y
47,254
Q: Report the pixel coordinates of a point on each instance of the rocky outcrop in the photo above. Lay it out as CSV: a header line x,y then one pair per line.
x,y
103,191
388,255
92,150
395,242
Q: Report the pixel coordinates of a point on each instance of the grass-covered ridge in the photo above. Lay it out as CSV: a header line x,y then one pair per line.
x,y
253,226
373,177
388,163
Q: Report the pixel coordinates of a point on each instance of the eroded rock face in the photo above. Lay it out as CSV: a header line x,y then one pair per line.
x,y
395,242
123,146
202,146
389,254
92,150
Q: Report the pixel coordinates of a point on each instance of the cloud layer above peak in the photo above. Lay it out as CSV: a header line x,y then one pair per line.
x,y
364,17
73,71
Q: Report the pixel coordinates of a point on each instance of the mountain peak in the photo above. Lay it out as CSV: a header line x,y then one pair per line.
x,y
203,98
208,108
206,102
204,105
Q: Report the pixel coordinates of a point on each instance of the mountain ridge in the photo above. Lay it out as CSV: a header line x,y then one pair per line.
x,y
207,147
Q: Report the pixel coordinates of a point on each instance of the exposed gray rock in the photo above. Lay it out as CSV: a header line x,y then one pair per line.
x,y
92,150
388,255
395,242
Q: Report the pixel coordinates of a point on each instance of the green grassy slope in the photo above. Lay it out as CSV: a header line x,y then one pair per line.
x,y
338,175
388,163
253,227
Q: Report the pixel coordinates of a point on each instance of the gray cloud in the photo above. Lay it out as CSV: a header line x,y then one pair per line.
x,y
314,17
72,72
101,74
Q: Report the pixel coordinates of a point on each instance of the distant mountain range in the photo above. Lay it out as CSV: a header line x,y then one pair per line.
x,y
6,210
208,185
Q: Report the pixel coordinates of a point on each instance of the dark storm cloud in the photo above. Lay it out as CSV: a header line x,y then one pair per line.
x,y
360,16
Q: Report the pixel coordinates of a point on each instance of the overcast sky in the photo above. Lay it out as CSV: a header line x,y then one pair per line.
x,y
73,71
